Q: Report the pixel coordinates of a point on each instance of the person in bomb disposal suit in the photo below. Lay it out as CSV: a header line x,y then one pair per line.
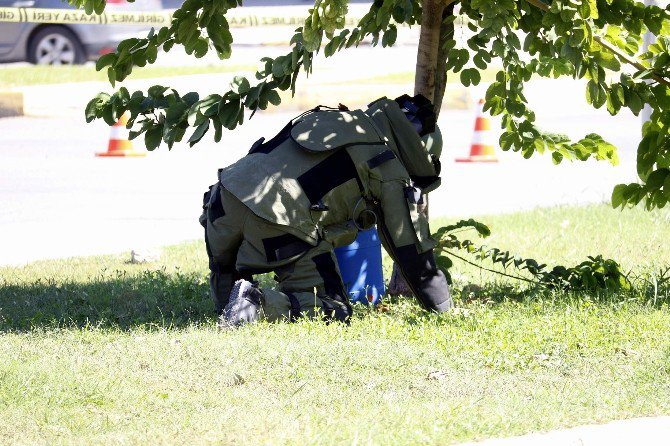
x,y
291,200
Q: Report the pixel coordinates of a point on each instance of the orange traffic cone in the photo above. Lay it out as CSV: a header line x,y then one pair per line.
x,y
482,149
119,144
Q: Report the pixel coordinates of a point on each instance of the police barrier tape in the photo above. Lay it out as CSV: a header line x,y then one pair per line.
x,y
73,16
237,18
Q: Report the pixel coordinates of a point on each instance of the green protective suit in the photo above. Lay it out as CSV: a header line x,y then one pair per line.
x,y
291,200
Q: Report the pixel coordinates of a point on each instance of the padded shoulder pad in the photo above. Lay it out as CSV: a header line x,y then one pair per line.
x,y
326,130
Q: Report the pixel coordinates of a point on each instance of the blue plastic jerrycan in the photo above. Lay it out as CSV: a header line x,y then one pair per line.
x,y
361,267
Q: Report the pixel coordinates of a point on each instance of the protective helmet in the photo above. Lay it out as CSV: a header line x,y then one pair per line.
x,y
409,124
433,142
419,111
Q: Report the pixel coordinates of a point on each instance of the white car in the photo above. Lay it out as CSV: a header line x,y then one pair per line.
x,y
49,44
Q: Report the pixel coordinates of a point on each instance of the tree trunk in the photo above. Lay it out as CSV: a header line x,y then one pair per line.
x,y
429,47
430,80
446,33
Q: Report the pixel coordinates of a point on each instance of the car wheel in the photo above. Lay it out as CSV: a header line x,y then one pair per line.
x,y
55,45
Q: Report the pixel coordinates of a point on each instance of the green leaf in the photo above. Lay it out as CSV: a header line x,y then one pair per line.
x,y
240,85
479,62
540,145
111,75
588,9
331,47
618,90
175,113
513,40
465,77
475,77
448,45
108,114
195,118
157,91
200,48
498,47
91,111
153,137
657,178
666,187
390,36
646,155
88,7
444,262
273,97
456,59
584,9
618,195
507,140
218,130
634,103
209,106
591,92
278,67
151,53
601,97
99,6
228,114
653,21
557,157
593,5
607,60
613,104
191,97
105,60
199,133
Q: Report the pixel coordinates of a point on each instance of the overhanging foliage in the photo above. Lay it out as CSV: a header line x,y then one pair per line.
x,y
598,40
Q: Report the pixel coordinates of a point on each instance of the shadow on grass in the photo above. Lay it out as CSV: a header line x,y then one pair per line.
x,y
493,293
641,291
161,299
120,300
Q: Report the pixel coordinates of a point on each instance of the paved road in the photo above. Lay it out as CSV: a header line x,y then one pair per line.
x,y
59,200
652,431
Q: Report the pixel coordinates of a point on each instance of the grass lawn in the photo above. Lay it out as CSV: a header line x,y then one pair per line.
x,y
28,75
100,351
407,77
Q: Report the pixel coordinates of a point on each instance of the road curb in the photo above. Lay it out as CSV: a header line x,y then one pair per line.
x,y
11,104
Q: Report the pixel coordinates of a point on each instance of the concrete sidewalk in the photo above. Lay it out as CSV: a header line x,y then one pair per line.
x,y
652,431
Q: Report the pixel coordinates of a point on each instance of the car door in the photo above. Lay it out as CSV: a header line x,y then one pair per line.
x,y
12,33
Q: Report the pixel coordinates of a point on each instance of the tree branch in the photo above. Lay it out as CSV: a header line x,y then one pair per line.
x,y
451,253
625,57
539,4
